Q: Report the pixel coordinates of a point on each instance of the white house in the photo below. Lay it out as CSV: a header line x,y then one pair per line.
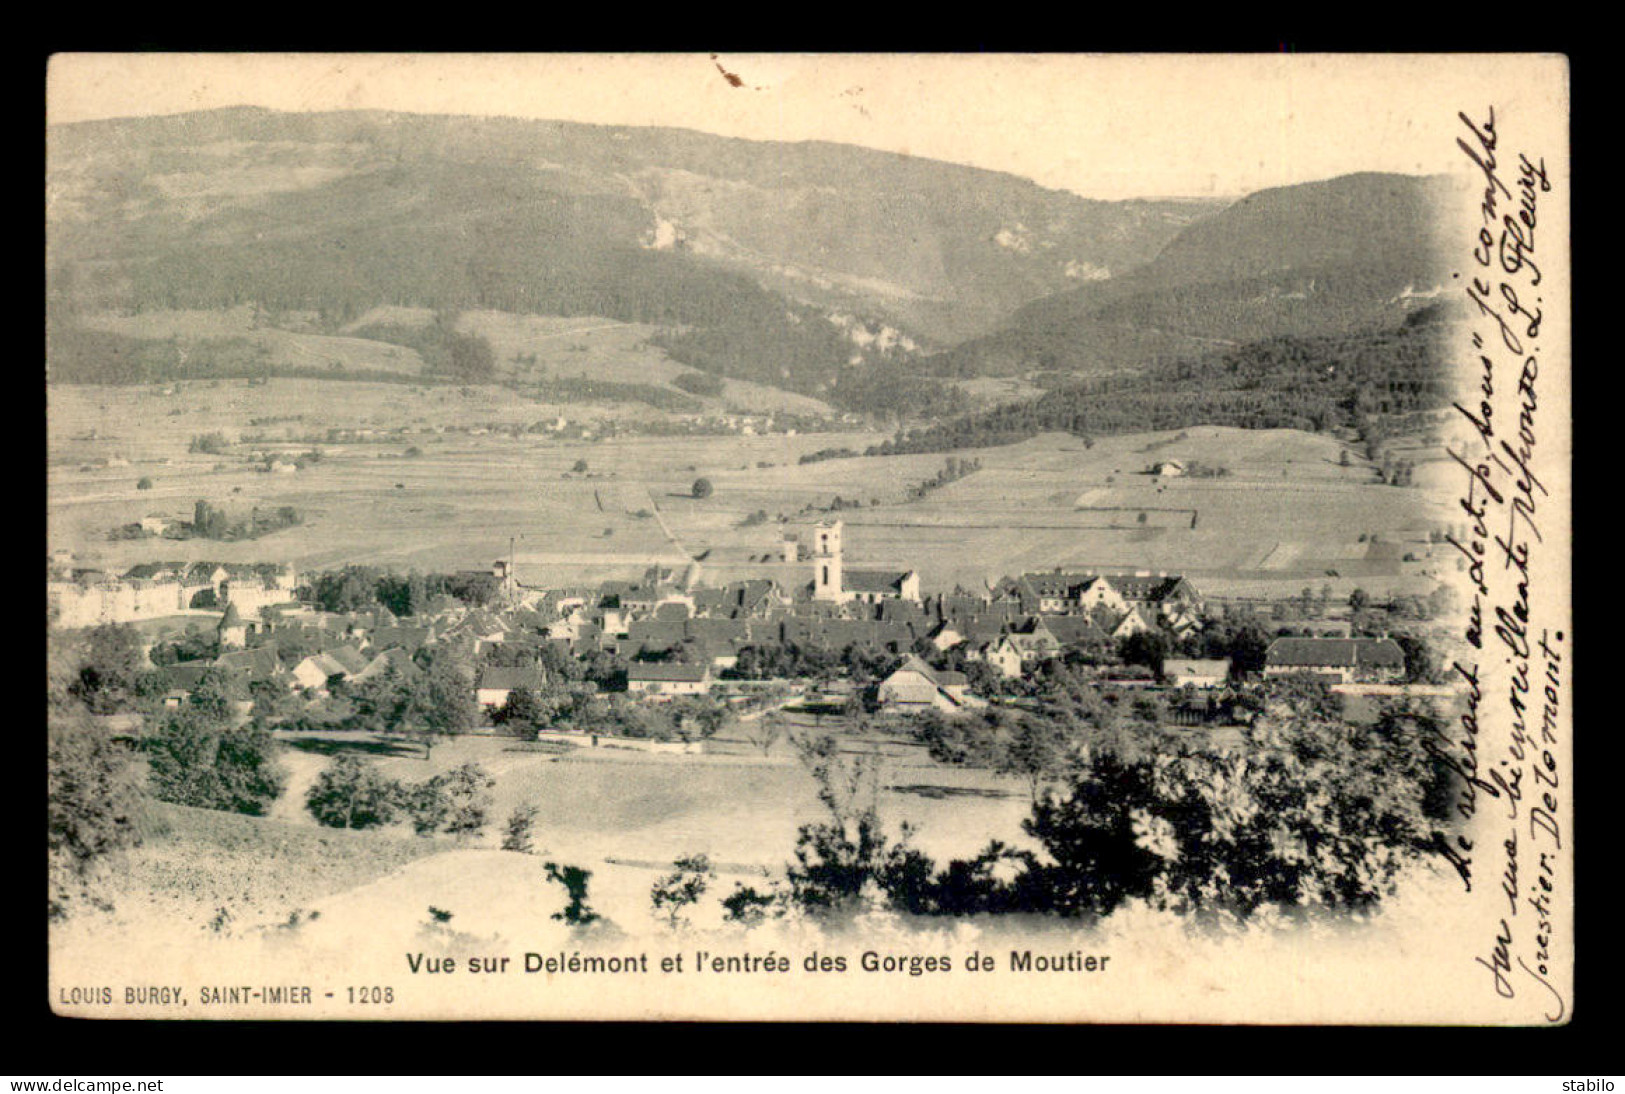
x,y
667,678
1135,621
1002,654
496,684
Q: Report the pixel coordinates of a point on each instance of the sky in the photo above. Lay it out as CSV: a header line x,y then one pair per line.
x,y
1112,126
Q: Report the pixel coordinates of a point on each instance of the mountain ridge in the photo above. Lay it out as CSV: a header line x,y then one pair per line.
x,y
931,229
1319,258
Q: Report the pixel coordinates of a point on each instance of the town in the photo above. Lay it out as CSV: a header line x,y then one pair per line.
x,y
284,644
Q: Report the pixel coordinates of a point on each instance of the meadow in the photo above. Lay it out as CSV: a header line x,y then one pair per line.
x,y
1287,513
624,815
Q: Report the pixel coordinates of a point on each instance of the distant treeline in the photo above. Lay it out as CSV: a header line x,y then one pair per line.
x,y
1313,384
466,358
700,383
567,389
365,588
80,355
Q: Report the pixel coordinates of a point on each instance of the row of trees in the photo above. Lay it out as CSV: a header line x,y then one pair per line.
x,y
1310,812
364,588
213,522
582,707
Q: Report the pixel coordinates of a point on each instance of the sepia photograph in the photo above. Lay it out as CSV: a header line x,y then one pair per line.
x,y
940,537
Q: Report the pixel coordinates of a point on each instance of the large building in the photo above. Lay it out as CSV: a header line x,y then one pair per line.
x,y
833,582
1350,660
1167,600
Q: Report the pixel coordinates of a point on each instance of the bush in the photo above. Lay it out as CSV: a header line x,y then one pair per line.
x,y
349,793
750,907
700,383
144,483
674,894
574,879
92,805
465,792
516,831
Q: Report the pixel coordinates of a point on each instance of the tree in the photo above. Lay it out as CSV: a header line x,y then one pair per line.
x,y
469,357
516,830
839,861
1038,750
1147,648
216,693
112,663
466,790
455,802
574,879
1314,811
674,894
763,732
143,483
441,703
1420,664
349,793
93,800
523,712
702,488
192,760
352,589
579,467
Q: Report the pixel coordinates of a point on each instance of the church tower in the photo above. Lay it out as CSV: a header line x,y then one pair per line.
x,y
827,561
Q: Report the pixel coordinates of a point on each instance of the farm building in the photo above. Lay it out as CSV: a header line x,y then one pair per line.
x,y
916,686
1350,660
314,672
666,679
497,683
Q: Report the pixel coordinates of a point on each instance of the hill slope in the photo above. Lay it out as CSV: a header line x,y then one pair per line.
x,y
354,209
1368,381
1314,260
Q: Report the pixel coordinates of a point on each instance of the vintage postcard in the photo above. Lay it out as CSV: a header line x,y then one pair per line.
x,y
747,537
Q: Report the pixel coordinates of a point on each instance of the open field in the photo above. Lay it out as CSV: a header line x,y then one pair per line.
x,y
604,349
624,815
526,348
1287,514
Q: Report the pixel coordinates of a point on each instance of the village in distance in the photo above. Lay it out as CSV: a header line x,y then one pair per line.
x,y
664,578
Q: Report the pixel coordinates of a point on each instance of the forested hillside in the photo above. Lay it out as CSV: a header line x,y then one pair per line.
x,y
1356,381
1342,256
